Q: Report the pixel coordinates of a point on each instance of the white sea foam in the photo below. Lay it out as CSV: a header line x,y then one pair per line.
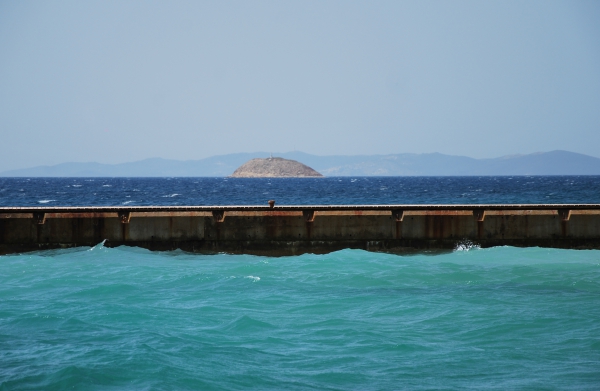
x,y
127,202
466,245
106,185
171,195
45,201
253,278
77,185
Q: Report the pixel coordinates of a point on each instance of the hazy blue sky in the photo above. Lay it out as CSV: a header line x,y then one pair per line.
x,y
125,80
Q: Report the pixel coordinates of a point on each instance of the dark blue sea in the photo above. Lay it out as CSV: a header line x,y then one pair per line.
x,y
301,191
125,318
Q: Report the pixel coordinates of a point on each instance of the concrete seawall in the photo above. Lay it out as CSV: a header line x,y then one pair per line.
x,y
297,229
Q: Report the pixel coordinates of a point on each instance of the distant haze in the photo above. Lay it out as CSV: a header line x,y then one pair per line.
x,y
122,81
434,164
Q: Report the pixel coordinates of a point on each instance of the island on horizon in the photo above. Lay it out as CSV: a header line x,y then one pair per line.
x,y
274,167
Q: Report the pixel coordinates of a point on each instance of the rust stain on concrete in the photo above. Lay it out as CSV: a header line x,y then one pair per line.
x,y
281,230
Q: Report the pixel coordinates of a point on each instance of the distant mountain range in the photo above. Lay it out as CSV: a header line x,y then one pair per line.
x,y
404,164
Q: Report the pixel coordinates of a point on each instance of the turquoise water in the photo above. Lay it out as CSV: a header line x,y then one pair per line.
x,y
126,318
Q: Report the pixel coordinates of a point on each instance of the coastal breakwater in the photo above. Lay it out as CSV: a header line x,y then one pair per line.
x,y
285,230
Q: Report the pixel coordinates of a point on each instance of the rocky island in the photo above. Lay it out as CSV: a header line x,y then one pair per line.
x,y
274,167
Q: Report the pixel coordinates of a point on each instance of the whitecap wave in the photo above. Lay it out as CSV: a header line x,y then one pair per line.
x,y
171,195
45,201
253,278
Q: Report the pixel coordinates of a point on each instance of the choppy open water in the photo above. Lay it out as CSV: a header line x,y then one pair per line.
x,y
126,318
302,191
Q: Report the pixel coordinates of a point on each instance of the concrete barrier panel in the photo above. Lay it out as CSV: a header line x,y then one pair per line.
x,y
296,229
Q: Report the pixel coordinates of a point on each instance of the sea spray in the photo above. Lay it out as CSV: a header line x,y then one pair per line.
x,y
466,245
98,246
